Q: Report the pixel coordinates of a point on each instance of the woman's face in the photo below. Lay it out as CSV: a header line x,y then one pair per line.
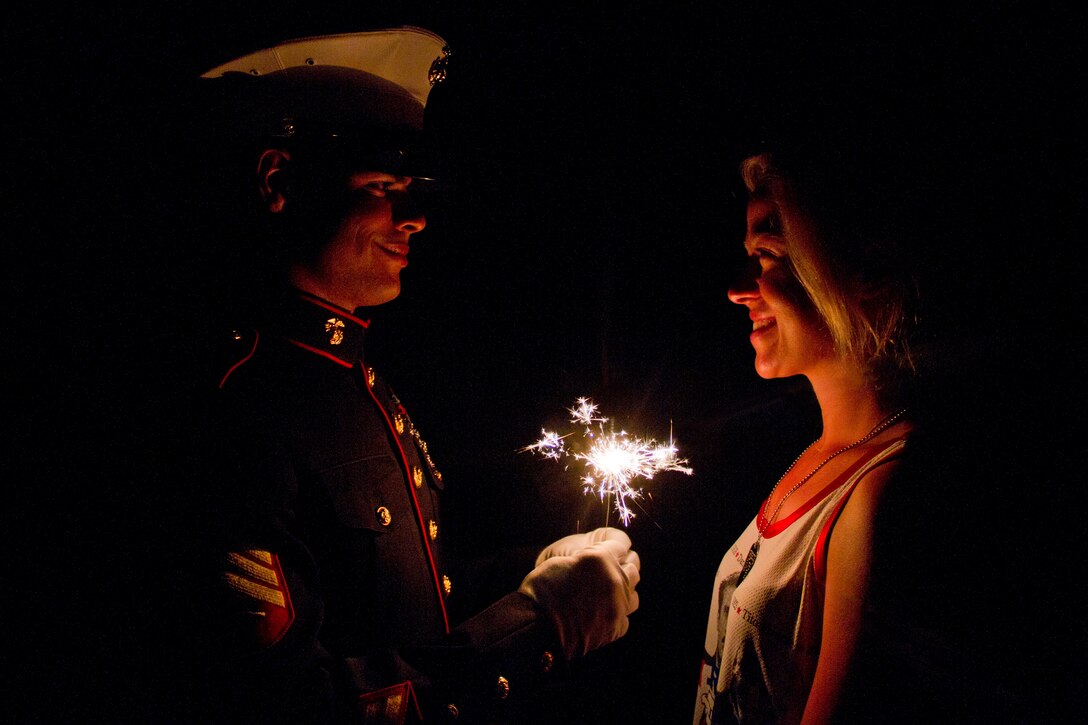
x,y
787,333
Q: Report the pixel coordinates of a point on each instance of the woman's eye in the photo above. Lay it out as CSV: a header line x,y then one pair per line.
x,y
378,188
765,254
769,224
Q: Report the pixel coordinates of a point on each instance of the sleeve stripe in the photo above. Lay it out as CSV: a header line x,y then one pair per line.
x,y
265,556
253,590
253,570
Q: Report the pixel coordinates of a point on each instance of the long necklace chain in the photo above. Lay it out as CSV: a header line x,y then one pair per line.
x,y
868,436
751,558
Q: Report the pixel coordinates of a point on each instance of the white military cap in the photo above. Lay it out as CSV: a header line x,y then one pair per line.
x,y
370,87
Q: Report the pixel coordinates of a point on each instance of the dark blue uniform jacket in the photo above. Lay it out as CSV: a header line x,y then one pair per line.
x,y
327,593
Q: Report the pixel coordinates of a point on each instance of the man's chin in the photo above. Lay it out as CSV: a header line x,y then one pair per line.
x,y
375,298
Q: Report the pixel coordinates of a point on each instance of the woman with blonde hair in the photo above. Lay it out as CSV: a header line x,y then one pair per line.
x,y
836,305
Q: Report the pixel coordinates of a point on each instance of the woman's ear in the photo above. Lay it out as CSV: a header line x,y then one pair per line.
x,y
272,175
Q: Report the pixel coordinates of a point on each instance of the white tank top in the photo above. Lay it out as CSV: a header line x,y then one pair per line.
x,y
763,636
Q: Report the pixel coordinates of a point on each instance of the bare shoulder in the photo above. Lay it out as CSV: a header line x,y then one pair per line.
x,y
871,490
852,536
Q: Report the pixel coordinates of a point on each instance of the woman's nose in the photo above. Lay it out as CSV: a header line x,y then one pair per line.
x,y
745,287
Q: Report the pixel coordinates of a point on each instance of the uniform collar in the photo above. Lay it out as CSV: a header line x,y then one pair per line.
x,y
320,327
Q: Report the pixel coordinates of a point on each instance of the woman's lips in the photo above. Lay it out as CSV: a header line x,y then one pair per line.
x,y
761,326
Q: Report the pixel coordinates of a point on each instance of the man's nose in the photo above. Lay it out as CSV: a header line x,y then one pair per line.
x,y
408,214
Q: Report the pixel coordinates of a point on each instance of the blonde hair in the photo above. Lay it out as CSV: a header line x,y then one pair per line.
x,y
859,284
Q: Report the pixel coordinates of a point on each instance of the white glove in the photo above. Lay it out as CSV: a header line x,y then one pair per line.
x,y
588,594
571,545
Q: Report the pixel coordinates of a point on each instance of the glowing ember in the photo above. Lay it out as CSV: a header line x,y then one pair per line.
x,y
611,459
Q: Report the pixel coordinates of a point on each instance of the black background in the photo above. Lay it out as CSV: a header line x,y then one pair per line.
x,y
585,250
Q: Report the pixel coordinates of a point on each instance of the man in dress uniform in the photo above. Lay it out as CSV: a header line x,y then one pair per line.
x,y
325,592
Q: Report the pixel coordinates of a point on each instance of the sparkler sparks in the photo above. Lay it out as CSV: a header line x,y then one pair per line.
x,y
612,459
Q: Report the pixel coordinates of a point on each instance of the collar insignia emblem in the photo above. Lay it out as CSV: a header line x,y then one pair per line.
x,y
335,327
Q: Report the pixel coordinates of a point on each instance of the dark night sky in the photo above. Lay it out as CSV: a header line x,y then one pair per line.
x,y
585,250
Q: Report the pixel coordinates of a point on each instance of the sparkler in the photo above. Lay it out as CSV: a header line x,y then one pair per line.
x,y
612,459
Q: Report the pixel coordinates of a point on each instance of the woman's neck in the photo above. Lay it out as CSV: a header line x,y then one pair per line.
x,y
849,407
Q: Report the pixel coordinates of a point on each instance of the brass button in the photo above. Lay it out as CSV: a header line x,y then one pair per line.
x,y
398,421
432,529
502,688
417,476
447,585
384,516
453,711
546,661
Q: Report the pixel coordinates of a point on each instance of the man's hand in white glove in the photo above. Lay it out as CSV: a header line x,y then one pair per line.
x,y
589,594
571,545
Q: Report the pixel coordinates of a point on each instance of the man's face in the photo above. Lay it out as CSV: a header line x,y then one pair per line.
x,y
360,264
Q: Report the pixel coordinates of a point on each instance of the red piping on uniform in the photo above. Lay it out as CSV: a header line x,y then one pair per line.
x,y
330,356
415,502
333,308
235,366
281,580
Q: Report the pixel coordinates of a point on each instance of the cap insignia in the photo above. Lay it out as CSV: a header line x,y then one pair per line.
x,y
440,67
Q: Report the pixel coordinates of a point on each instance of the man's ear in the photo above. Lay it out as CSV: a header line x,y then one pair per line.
x,y
272,173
